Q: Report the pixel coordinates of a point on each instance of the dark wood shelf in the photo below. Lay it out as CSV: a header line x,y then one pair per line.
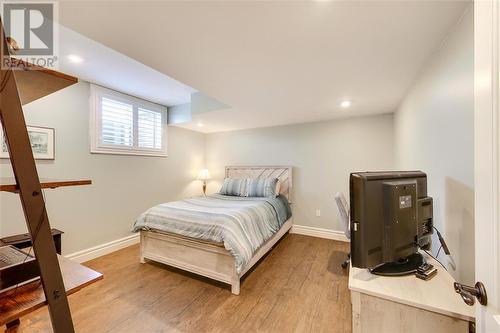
x,y
22,241
34,82
29,297
10,185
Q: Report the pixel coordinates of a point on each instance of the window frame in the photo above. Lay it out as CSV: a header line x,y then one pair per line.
x,y
96,145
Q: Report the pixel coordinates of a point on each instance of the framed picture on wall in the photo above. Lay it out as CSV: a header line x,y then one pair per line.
x,y
42,143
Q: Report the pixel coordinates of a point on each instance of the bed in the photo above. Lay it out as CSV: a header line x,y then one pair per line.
x,y
170,233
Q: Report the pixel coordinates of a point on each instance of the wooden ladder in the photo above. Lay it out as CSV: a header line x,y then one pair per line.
x,y
30,192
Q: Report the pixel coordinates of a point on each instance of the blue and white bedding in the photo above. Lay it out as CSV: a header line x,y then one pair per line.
x,y
242,224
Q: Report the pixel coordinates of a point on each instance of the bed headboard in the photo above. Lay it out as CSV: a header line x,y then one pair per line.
x,y
283,173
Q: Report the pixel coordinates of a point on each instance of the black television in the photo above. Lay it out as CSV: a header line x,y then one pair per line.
x,y
391,216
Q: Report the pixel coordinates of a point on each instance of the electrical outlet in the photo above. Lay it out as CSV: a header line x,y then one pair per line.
x,y
318,212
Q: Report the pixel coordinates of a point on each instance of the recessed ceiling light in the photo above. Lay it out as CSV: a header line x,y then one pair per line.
x,y
75,59
345,104
200,124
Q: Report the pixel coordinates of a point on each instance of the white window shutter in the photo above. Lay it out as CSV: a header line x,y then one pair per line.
x,y
149,129
117,123
123,124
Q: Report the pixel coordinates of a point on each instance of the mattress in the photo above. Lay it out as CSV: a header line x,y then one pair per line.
x,y
219,244
241,224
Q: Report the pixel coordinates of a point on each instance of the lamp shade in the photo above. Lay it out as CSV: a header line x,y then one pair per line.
x,y
204,174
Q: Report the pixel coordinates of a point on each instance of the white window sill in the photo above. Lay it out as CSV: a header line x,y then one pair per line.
x,y
130,152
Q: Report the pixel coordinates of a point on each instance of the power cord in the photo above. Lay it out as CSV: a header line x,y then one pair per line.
x,y
430,254
443,247
441,240
439,250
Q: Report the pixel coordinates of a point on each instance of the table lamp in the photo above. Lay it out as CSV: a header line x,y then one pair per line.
x,y
204,175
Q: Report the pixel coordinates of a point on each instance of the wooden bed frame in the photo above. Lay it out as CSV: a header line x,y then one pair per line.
x,y
211,259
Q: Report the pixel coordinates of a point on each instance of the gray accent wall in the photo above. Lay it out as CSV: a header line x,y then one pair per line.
x,y
322,155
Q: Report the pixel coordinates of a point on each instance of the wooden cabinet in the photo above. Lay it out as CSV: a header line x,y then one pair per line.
x,y
407,304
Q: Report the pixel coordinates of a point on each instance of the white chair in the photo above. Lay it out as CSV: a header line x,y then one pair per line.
x,y
344,218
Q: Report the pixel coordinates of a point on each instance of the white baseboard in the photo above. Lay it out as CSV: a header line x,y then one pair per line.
x,y
118,244
103,249
319,232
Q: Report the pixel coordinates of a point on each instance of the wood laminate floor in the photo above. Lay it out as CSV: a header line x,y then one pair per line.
x,y
298,287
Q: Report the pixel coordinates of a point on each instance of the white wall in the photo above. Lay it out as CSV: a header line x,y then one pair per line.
x,y
123,186
322,154
434,132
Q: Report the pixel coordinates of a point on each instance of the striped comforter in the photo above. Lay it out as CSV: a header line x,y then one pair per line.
x,y
242,224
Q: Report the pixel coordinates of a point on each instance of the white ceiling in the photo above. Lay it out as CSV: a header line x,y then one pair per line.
x,y
107,67
276,62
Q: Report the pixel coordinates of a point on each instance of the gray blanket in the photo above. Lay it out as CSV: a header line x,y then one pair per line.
x,y
242,224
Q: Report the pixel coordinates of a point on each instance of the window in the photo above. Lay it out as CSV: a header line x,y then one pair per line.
x,y
122,124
